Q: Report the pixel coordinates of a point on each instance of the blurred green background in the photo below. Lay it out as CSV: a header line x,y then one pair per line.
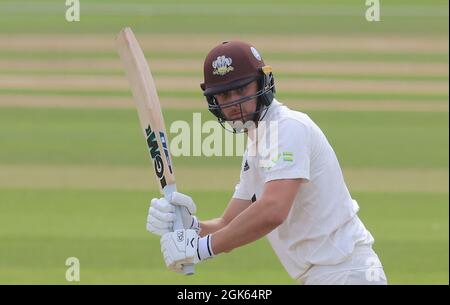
x,y
74,176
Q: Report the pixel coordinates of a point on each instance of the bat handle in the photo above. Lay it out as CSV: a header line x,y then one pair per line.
x,y
188,269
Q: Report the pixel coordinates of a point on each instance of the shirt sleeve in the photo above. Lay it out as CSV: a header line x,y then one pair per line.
x,y
292,154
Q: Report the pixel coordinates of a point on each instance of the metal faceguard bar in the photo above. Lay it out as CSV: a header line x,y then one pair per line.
x,y
215,106
259,114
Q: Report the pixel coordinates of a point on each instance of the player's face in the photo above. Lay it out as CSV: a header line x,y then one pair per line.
x,y
240,111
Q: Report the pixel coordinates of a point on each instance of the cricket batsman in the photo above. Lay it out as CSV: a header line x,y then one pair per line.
x,y
296,197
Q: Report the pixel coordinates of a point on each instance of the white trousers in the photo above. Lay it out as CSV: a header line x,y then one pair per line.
x,y
363,267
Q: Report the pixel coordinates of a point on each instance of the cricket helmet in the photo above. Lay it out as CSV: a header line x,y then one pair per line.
x,y
231,65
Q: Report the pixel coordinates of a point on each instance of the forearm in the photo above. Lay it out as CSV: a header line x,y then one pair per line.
x,y
234,208
211,226
252,224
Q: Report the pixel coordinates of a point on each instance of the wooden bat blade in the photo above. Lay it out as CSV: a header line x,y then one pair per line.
x,y
148,106
150,117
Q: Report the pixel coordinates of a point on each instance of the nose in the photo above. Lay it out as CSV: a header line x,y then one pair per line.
x,y
232,97
235,107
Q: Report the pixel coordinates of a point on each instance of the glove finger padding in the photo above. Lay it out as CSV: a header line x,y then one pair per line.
x,y
162,216
162,205
184,200
152,228
155,222
157,231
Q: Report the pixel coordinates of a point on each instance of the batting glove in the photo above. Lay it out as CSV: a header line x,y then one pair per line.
x,y
185,247
161,214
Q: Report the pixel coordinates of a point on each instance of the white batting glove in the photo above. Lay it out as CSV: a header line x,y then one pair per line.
x,y
185,247
161,214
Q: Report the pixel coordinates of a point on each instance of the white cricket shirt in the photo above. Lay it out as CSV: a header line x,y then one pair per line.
x,y
322,227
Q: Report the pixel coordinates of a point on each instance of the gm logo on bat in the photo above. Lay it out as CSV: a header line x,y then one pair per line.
x,y
156,154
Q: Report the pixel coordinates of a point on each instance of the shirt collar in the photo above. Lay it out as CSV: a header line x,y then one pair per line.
x,y
271,112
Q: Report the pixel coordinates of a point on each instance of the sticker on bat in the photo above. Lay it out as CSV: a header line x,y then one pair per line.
x,y
162,136
156,155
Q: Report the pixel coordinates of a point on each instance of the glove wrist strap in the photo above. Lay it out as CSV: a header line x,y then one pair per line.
x,y
195,225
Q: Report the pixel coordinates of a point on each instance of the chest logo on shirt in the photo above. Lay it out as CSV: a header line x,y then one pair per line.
x,y
246,166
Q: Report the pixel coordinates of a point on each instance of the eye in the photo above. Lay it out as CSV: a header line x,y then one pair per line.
x,y
222,95
241,90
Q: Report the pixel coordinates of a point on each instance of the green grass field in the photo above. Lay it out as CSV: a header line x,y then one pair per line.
x,y
74,176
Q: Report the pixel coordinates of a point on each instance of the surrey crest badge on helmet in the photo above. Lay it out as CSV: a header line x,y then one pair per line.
x,y
222,65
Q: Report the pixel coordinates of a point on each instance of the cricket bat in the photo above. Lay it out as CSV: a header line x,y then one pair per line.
x,y
151,119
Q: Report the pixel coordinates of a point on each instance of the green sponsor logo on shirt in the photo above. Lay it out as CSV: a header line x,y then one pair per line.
x,y
285,156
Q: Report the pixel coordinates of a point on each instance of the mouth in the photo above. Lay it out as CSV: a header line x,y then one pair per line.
x,y
235,116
